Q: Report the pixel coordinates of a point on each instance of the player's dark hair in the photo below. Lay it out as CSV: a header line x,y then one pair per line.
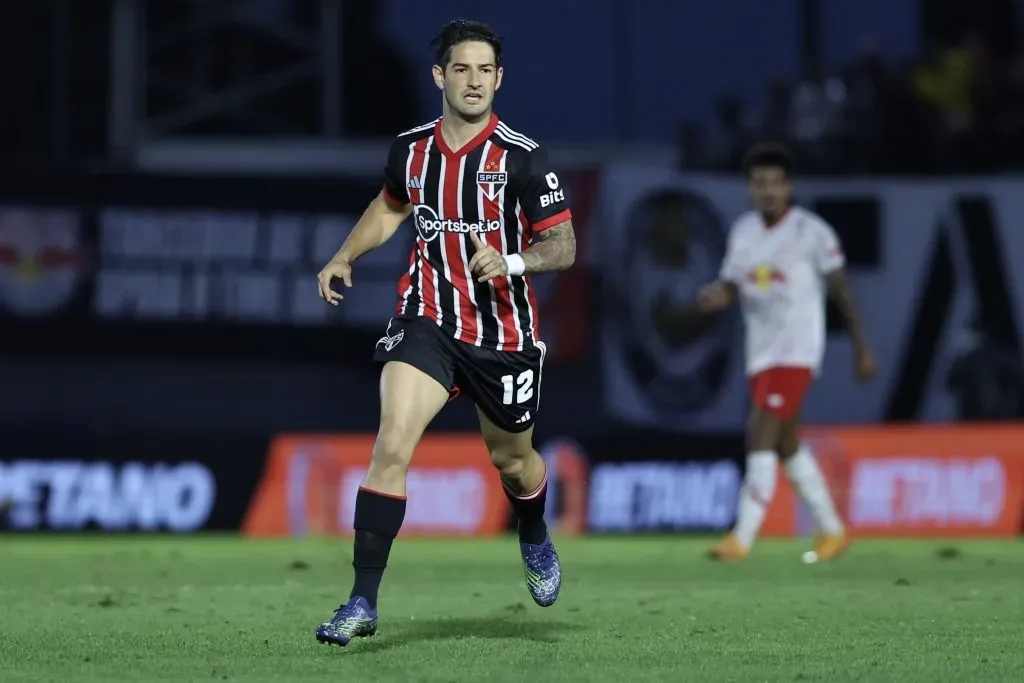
x,y
463,31
768,155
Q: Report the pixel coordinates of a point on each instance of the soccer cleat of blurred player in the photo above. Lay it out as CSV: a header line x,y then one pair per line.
x,y
488,211
780,263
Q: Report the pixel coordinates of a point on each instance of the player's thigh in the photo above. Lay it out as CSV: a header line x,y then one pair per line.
x,y
504,446
409,400
414,384
505,385
777,396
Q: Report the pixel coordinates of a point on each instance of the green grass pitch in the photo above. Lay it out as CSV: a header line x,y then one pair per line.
x,y
632,609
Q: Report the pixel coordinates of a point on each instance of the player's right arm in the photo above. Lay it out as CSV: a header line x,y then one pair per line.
x,y
379,222
721,293
682,322
717,295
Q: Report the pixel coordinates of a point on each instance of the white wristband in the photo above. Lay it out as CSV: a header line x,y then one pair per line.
x,y
515,264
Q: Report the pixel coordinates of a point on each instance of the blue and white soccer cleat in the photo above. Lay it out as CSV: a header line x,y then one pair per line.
x,y
543,571
355,619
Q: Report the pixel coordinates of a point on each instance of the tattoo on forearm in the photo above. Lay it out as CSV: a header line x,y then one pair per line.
x,y
841,292
555,249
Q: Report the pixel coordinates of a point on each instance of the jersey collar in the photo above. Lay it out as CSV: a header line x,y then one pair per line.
x,y
480,138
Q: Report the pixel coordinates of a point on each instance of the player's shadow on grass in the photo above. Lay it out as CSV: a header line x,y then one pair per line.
x,y
493,627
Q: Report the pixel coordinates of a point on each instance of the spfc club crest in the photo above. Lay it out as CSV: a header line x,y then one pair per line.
x,y
491,180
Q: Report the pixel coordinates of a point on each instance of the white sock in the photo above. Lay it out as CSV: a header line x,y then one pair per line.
x,y
810,483
758,489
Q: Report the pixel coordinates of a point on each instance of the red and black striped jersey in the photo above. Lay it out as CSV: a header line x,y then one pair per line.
x,y
501,186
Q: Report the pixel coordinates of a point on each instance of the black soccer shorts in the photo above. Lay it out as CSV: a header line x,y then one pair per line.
x,y
505,385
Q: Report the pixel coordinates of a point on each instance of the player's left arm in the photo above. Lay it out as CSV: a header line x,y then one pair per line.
x,y
546,206
840,291
555,249
544,202
831,263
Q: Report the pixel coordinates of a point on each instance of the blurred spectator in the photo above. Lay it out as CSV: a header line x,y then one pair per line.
x,y
958,107
775,118
865,111
815,123
728,141
945,83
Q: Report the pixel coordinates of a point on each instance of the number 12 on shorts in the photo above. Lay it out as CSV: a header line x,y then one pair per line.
x,y
523,393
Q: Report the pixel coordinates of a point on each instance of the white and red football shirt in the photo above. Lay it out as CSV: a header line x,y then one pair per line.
x,y
780,272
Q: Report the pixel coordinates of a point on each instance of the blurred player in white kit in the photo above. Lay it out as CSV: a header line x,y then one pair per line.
x,y
780,263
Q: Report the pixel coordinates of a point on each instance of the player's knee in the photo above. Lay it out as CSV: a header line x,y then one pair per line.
x,y
392,451
511,459
789,442
764,431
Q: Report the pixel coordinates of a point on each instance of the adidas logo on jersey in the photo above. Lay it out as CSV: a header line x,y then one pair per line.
x,y
415,184
524,419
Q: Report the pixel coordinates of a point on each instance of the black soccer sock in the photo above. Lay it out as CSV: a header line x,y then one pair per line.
x,y
378,519
529,509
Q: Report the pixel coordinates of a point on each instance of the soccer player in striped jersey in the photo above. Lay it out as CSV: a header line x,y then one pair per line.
x,y
488,211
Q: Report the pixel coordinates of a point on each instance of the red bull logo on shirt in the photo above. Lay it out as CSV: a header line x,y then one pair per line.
x,y
764,276
40,259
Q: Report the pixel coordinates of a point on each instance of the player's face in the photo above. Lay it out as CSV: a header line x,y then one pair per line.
x,y
770,190
469,80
